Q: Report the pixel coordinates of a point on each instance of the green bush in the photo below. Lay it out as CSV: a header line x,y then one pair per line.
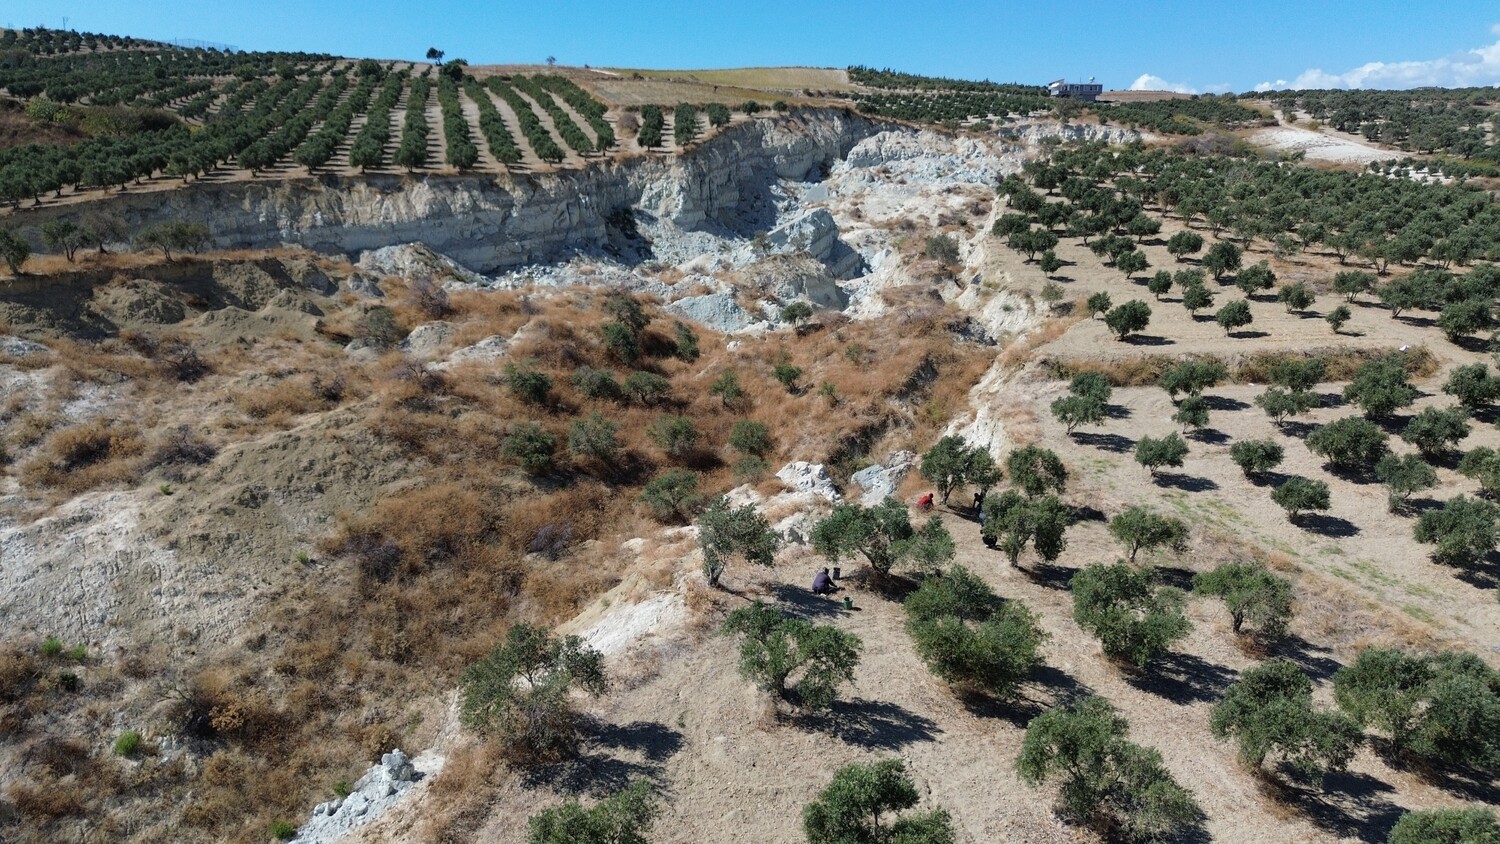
x,y
595,438
1337,317
622,818
1447,826
1135,619
676,435
283,830
1251,593
646,388
526,383
596,383
519,694
1269,710
1192,413
1483,465
531,447
859,804
797,312
128,743
1463,529
1097,304
969,638
778,647
685,341
1105,777
1297,374
1297,495
673,495
750,437
1234,315
52,647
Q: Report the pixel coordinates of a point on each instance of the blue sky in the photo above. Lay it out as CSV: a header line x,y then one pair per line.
x,y
1201,46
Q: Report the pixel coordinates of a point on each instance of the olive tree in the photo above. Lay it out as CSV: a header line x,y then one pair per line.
x,y
1011,522
800,662
1222,258
1234,315
1279,404
883,534
1463,530
1129,318
1483,465
1134,618
1296,297
725,532
1435,432
1269,710
1161,452
1140,529
1086,402
519,694
1350,443
1380,387
1473,386
622,818
1256,457
1443,706
969,637
1252,593
861,805
1298,495
1036,470
1183,244
951,463
1192,377
1403,476
1102,775
1474,825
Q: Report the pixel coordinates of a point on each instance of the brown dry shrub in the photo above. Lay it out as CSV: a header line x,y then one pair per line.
x,y
282,400
85,456
46,799
18,670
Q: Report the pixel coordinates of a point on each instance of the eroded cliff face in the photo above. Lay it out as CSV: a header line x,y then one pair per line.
x,y
723,187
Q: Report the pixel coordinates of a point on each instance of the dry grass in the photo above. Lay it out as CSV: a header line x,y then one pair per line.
x,y
85,456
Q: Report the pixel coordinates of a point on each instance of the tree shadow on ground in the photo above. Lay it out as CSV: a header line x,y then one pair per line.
x,y
1299,430
1186,483
1224,403
1045,688
1176,577
871,725
1482,574
1464,783
1148,340
1334,399
1270,479
610,757
1326,525
1116,411
1349,804
1362,475
802,603
1209,436
1392,424
1248,335
1418,506
1107,442
1183,679
1050,576
1471,344
1314,660
1086,513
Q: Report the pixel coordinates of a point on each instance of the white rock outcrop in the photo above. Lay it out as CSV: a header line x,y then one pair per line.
x,y
373,793
802,476
880,480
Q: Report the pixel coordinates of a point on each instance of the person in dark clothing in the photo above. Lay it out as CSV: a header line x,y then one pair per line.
x,y
979,501
822,583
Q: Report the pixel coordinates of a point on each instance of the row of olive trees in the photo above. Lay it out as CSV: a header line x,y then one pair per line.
x,y
68,237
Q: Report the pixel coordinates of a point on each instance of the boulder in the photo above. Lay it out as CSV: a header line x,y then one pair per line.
x,y
427,340
718,311
802,476
379,789
879,481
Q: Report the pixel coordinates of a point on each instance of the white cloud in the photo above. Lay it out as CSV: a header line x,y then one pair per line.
x,y
1148,82
1467,68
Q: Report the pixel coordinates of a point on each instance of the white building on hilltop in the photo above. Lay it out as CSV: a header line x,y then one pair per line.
x,y
1086,91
